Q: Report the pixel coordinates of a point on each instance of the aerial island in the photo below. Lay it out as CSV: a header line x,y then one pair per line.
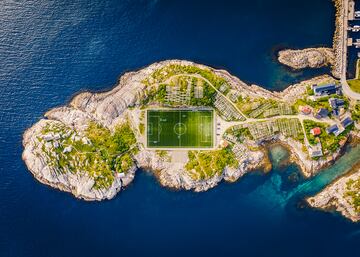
x,y
193,126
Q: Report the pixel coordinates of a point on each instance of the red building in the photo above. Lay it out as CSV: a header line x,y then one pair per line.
x,y
315,131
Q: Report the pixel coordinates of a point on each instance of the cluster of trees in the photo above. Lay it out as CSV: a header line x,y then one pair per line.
x,y
208,96
355,112
322,102
329,142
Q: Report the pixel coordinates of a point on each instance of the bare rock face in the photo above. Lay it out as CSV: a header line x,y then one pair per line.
x,y
104,108
307,58
111,108
174,175
334,197
79,184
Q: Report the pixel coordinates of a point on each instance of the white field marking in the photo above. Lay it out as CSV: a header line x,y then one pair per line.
x,y
178,125
150,129
179,136
158,130
183,113
202,130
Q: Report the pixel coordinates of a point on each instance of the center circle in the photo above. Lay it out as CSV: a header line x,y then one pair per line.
x,y
180,129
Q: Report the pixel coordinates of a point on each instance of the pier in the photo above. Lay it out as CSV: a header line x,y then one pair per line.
x,y
341,43
351,10
351,42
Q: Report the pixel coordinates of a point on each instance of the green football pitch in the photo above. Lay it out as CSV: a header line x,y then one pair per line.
x,y
180,128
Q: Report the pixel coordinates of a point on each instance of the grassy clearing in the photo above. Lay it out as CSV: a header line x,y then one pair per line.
x,y
207,164
322,102
99,153
354,85
329,142
161,75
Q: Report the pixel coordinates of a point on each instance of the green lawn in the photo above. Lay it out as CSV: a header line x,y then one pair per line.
x,y
180,128
354,85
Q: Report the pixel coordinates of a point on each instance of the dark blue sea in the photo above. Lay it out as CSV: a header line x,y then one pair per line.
x,y
50,50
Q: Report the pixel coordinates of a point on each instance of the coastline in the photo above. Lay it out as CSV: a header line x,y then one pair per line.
x,y
317,57
307,58
332,197
111,107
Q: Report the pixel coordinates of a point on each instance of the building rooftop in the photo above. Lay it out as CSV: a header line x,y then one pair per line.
x,y
322,113
315,150
346,122
336,103
332,102
340,102
327,89
315,131
305,109
332,129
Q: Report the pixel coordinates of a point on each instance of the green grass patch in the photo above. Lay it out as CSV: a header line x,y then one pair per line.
x,y
354,85
206,164
355,112
162,74
329,142
180,129
101,157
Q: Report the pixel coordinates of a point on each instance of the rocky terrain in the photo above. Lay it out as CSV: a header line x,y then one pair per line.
x,y
122,104
307,58
319,57
335,197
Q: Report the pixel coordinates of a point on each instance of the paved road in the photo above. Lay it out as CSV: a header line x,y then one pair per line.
x,y
347,90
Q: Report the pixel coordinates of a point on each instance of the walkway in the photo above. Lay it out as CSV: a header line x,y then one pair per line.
x,y
224,125
207,81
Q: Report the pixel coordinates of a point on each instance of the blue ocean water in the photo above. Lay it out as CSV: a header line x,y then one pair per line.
x,y
50,50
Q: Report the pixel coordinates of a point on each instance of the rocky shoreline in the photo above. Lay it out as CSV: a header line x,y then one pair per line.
x,y
307,58
113,107
334,196
321,56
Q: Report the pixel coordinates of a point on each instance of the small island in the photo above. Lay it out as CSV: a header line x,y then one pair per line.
x,y
307,58
190,125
